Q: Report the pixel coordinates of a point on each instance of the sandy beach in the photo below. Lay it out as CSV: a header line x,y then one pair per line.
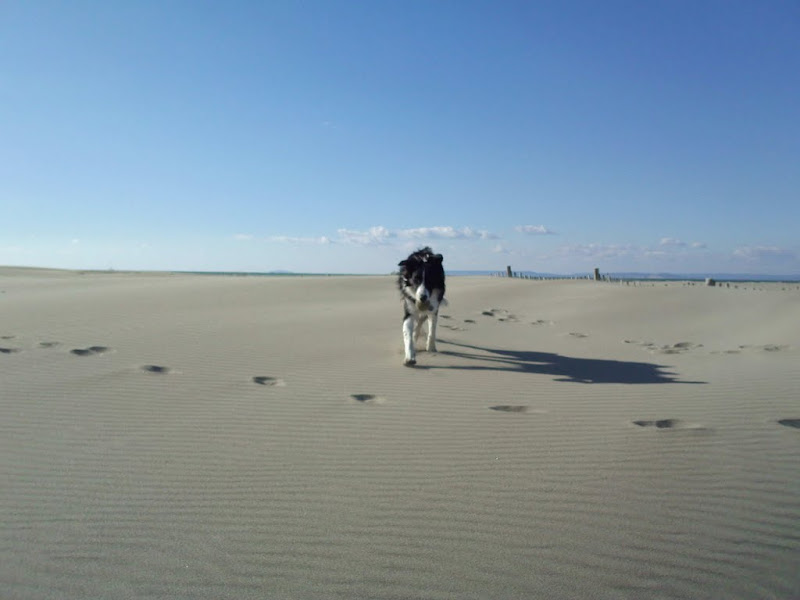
x,y
187,436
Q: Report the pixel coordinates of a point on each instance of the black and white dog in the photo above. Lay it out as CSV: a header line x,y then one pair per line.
x,y
421,282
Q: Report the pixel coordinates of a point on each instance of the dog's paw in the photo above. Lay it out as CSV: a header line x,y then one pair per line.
x,y
409,362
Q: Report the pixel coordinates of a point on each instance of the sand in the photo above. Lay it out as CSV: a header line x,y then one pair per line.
x,y
186,436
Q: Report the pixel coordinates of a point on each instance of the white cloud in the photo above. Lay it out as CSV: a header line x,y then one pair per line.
x,y
676,243
379,235
374,236
668,249
285,239
596,251
243,236
534,230
769,254
447,232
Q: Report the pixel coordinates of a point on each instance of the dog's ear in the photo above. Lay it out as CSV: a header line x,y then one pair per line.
x,y
438,258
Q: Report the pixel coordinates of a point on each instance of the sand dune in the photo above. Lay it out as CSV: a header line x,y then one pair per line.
x,y
179,436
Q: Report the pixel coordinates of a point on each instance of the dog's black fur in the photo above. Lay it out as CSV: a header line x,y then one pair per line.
x,y
421,283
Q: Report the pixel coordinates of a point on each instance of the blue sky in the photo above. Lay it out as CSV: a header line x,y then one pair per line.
x,y
336,136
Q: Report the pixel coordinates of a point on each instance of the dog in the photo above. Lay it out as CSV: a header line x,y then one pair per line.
x,y
421,283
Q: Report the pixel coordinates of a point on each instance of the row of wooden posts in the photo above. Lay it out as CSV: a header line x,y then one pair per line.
x,y
511,274
597,276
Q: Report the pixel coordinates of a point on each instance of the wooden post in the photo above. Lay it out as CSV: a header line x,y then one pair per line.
x,y
508,272
597,274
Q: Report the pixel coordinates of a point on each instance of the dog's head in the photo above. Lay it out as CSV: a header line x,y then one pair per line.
x,y
422,278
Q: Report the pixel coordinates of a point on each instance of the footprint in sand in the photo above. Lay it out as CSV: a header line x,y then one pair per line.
x,y
157,369
686,345
667,424
9,350
510,408
269,381
90,351
773,348
469,320
367,399
500,313
795,423
7,337
578,335
679,348
647,345
48,344
504,316
749,348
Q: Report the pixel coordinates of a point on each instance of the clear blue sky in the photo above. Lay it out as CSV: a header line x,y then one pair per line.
x,y
335,136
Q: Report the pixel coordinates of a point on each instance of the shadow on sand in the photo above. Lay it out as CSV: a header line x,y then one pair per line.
x,y
563,368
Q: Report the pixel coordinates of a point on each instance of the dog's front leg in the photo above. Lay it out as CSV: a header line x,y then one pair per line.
x,y
418,328
408,341
432,319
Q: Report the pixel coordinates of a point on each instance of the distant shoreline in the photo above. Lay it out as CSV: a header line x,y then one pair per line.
x,y
614,276
666,277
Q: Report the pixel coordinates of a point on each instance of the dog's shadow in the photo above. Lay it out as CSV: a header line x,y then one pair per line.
x,y
563,368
